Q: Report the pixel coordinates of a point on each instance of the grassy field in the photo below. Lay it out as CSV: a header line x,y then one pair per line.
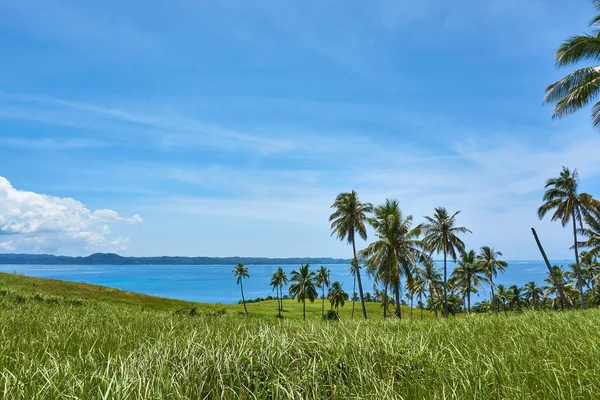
x,y
88,347
57,289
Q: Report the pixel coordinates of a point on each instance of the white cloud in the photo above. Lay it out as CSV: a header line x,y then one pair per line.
x,y
32,222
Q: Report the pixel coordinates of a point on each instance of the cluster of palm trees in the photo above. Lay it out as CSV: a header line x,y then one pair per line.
x,y
304,285
400,258
402,252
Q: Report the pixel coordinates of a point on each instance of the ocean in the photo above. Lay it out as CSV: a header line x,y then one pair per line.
x,y
216,283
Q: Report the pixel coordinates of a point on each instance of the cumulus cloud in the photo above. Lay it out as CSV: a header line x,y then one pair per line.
x,y
33,222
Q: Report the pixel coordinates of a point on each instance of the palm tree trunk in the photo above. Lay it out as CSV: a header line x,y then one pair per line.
x,y
469,297
304,309
492,299
558,287
397,293
421,304
360,288
445,286
411,307
323,305
353,293
279,301
281,295
243,300
385,300
577,266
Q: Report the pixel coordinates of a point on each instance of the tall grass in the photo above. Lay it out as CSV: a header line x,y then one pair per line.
x,y
94,350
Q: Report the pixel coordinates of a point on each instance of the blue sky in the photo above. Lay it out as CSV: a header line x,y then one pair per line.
x,y
227,128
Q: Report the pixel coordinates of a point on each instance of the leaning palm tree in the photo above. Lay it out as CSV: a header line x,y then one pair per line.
x,y
337,296
397,249
348,219
581,87
488,258
533,293
322,279
277,281
441,236
241,272
569,206
469,275
303,286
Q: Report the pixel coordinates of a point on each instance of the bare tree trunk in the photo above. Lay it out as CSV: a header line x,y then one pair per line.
x,y
563,298
397,293
360,288
577,266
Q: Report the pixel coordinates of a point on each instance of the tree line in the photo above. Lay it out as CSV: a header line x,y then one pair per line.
x,y
400,259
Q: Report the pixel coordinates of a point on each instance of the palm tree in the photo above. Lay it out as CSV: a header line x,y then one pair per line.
x,y
469,274
488,257
502,296
441,236
277,281
515,297
432,279
347,220
322,279
533,293
337,296
303,286
241,272
581,87
397,249
565,283
416,287
561,195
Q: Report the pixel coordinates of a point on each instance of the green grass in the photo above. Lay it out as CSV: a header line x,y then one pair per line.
x,y
63,347
72,290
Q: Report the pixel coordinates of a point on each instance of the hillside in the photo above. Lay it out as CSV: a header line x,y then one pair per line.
x,y
115,259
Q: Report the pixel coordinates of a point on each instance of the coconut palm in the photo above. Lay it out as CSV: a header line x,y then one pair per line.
x,y
564,281
303,286
277,281
241,272
348,219
515,297
488,257
432,280
397,249
569,206
322,279
337,296
502,296
441,236
469,275
416,287
581,87
533,293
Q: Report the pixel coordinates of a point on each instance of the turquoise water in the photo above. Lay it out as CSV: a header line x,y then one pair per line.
x,y
216,284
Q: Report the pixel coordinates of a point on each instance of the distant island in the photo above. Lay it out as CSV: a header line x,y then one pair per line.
x,y
115,259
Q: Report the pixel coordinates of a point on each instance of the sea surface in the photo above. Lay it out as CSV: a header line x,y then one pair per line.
x,y
216,283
